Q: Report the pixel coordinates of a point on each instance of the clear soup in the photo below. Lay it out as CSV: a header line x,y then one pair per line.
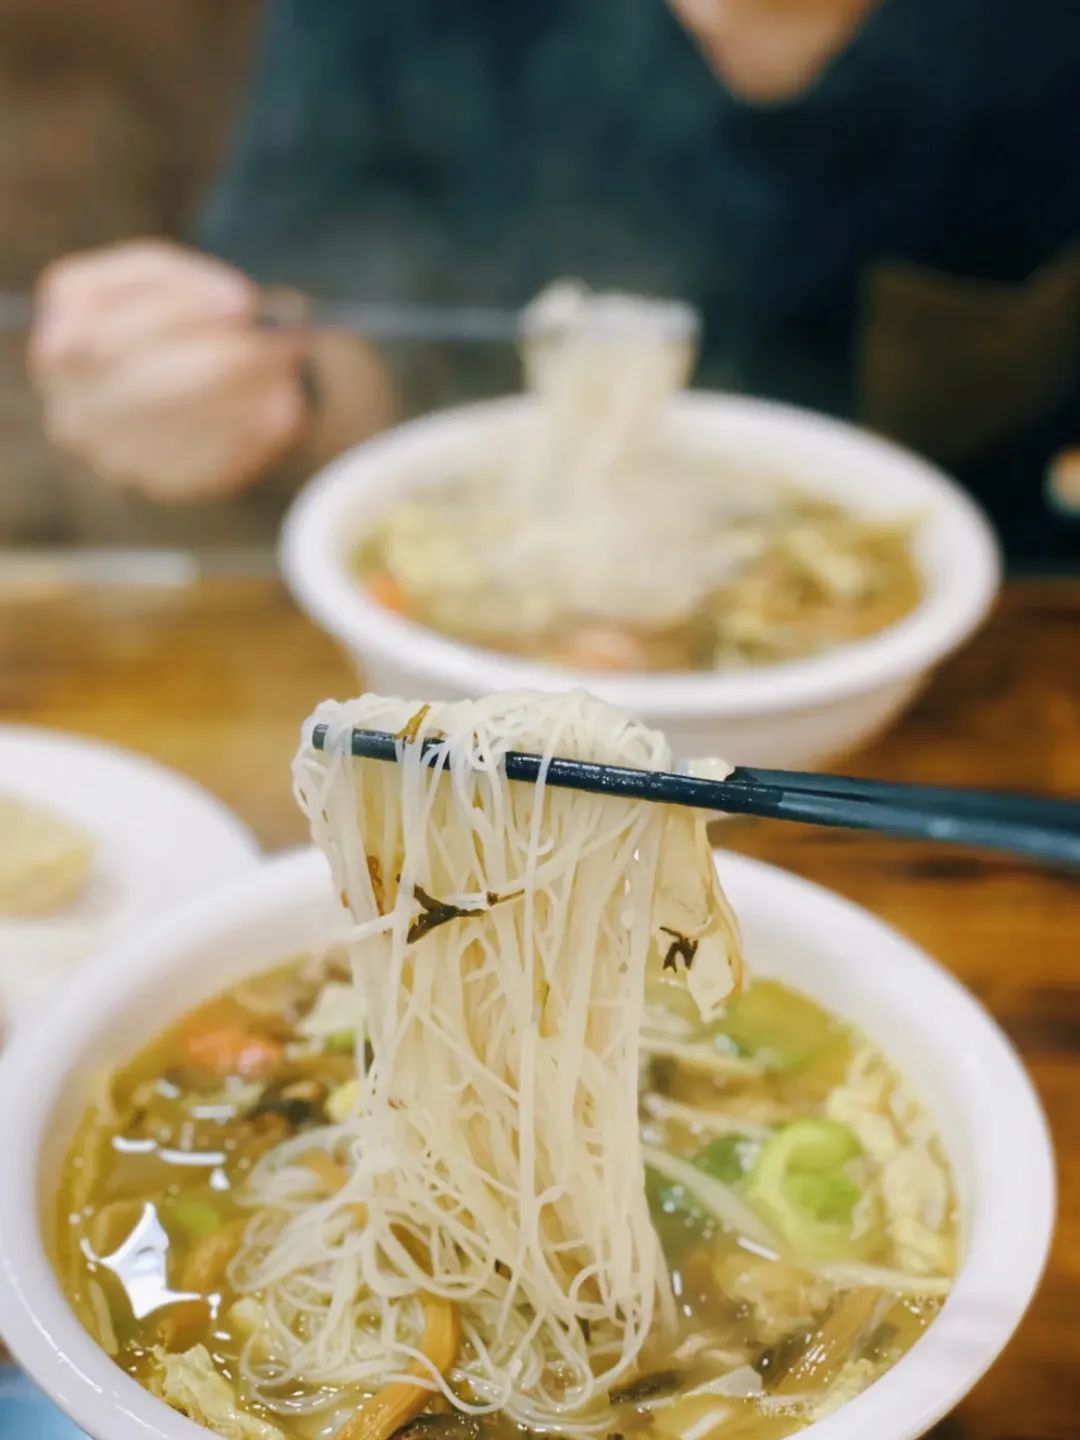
x,y
779,1120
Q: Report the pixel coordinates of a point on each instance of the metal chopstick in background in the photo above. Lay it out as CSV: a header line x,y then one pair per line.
x,y
448,324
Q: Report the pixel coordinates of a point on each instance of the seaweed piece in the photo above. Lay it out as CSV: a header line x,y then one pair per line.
x,y
297,1102
774,1362
411,728
436,913
453,1426
681,947
374,870
494,898
646,1387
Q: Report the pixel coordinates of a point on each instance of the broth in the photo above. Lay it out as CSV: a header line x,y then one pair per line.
x,y
782,575
778,1120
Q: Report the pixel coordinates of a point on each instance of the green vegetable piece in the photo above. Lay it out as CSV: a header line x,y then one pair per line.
x,y
195,1216
770,1020
825,1197
798,1186
726,1158
342,1042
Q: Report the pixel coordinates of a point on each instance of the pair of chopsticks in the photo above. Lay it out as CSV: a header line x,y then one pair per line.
x,y
279,307
1039,827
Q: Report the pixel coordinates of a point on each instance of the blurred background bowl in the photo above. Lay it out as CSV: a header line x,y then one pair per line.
x,y
800,713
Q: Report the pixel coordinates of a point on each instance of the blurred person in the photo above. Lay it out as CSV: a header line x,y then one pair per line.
x,y
874,203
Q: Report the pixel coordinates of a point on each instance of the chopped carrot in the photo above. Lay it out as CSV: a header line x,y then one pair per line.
x,y
601,647
232,1050
385,590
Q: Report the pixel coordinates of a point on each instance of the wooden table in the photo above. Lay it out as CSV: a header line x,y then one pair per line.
x,y
215,679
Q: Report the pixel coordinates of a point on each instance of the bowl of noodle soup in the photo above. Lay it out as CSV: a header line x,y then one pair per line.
x,y
867,977
755,579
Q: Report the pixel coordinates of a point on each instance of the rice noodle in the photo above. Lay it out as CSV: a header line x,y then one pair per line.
x,y
577,514
604,368
594,533
494,1147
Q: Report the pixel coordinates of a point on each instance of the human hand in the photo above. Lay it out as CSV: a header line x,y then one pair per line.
x,y
1063,481
770,50
151,367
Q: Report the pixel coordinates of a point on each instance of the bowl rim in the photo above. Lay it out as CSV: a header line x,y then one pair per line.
x,y
957,600
991,1293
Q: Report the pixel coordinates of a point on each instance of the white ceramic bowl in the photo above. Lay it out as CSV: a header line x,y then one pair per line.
x,y
949,1048
797,714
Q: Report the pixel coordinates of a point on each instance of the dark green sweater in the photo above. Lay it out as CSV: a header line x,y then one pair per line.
x,y
867,249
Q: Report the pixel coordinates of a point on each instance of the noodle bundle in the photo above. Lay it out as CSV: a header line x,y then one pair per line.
x,y
501,937
597,534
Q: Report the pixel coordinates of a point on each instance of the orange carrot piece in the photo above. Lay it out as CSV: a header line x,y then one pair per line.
x,y
385,590
232,1050
601,647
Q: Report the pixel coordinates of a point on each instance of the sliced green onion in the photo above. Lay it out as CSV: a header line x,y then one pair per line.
x,y
825,1197
799,1186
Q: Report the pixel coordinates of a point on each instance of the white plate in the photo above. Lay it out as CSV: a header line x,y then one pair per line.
x,y
159,838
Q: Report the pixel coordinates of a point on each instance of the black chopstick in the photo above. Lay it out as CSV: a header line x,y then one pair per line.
x,y
1040,827
282,307
278,308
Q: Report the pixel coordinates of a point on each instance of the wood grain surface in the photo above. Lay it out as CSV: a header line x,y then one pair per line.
x,y
215,678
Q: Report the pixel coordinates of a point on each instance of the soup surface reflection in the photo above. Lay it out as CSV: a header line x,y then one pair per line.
x,y
778,1123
